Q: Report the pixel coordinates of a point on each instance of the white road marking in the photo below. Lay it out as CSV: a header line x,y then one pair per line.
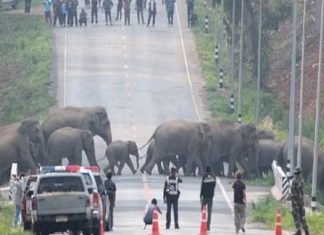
x,y
64,72
186,63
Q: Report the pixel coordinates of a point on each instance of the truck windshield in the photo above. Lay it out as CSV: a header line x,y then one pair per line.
x,y
60,184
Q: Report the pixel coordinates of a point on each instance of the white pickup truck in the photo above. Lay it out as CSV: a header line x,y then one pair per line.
x,y
61,202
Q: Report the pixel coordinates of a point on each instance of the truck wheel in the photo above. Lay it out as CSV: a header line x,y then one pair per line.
x,y
27,226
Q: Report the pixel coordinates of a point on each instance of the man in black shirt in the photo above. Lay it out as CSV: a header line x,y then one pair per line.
x,y
239,203
111,193
171,195
208,184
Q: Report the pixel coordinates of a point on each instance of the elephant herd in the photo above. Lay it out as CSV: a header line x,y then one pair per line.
x,y
189,145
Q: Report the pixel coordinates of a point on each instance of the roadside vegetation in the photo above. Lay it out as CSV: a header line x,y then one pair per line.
x,y
25,65
265,211
6,213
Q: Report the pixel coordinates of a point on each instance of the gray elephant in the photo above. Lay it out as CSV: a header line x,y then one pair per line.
x,y
94,119
306,160
229,142
15,146
260,157
118,153
166,161
68,143
182,138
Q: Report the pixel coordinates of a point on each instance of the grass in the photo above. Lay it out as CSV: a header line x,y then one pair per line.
x,y
6,213
264,211
25,63
266,181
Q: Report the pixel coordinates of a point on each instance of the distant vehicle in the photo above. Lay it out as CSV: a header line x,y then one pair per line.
x,y
9,3
26,204
61,202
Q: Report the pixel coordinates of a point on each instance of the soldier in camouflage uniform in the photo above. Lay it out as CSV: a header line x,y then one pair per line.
x,y
297,201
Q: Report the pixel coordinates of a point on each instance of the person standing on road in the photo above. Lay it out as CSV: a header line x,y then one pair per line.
x,y
148,216
151,12
18,195
139,10
57,11
297,202
27,6
208,184
111,193
107,5
47,5
170,10
94,10
239,203
119,9
127,11
171,195
190,11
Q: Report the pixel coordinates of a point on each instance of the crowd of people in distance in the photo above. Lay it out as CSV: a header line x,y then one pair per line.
x,y
65,12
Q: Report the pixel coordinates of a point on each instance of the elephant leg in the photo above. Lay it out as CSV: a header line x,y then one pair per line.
x,y
130,165
245,168
120,167
166,166
160,168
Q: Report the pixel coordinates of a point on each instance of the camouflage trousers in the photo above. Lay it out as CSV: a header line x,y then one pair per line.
x,y
298,213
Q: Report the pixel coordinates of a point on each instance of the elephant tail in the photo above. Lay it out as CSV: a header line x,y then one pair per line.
x,y
147,142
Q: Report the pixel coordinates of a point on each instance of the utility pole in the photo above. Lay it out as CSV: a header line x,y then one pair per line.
x,y
259,66
291,141
239,112
233,56
301,92
318,94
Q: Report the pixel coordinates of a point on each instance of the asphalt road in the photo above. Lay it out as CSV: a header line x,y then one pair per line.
x,y
143,76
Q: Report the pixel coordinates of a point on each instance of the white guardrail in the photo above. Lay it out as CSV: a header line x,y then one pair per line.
x,y
281,189
6,192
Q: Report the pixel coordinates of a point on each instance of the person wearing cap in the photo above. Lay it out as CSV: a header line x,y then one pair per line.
x,y
171,195
208,184
148,216
297,202
239,203
110,188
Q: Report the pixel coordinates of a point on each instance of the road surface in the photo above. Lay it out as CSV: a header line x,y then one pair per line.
x,y
143,76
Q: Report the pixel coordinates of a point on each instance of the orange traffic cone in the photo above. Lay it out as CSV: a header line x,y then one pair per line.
x,y
278,228
155,223
203,224
102,230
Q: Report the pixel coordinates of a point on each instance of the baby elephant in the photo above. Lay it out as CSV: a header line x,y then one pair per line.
x,y
118,153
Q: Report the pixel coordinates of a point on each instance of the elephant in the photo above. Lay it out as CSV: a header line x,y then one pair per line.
x,y
118,153
229,142
306,160
261,156
68,143
94,119
175,160
15,146
182,138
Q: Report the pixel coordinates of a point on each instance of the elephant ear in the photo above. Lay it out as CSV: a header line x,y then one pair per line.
x,y
132,147
94,124
25,126
249,132
86,137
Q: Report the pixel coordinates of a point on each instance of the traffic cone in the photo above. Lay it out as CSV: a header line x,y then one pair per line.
x,y
203,224
102,230
155,223
278,228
